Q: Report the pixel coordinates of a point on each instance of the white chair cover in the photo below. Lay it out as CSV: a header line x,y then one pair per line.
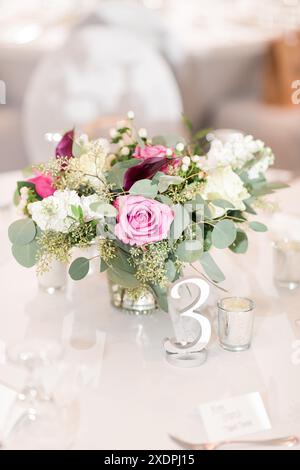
x,y
99,72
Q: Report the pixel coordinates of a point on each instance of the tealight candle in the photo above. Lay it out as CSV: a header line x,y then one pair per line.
x,y
235,323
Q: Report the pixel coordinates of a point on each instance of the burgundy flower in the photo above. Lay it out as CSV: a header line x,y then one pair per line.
x,y
65,146
145,170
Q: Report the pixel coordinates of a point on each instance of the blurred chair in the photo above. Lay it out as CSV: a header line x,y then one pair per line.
x,y
131,16
99,72
145,23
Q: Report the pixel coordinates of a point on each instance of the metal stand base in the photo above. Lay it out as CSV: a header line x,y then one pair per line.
x,y
187,359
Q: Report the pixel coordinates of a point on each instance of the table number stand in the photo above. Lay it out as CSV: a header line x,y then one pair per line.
x,y
188,347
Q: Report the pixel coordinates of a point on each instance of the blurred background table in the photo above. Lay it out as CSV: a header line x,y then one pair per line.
x,y
216,50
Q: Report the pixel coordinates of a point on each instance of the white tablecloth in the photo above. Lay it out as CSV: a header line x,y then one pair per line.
x,y
130,397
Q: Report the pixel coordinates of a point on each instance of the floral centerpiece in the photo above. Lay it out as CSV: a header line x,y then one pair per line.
x,y
150,205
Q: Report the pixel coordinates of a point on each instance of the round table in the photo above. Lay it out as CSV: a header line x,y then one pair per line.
x,y
129,397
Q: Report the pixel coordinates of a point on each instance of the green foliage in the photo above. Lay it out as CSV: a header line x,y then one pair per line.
x,y
77,213
211,268
116,175
222,203
167,180
190,251
104,209
240,244
224,234
79,268
103,266
26,255
144,188
22,231
258,227
180,222
123,278
161,297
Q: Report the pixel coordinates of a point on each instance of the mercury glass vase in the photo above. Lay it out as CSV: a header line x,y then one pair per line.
x,y
123,299
55,279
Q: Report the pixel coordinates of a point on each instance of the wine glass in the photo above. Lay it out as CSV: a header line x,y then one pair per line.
x,y
35,421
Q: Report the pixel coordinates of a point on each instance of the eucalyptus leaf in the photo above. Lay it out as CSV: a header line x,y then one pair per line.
x,y
116,174
167,180
277,185
180,222
103,266
157,176
161,297
77,149
122,278
79,268
222,203
223,234
258,227
240,244
121,263
249,208
26,254
211,268
190,251
104,209
261,188
207,240
144,188
207,212
165,200
171,270
22,232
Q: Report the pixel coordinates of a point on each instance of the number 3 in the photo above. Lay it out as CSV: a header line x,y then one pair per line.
x,y
173,346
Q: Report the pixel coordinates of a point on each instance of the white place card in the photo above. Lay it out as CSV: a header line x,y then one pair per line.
x,y
234,417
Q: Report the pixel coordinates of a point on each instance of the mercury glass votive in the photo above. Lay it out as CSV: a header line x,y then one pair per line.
x,y
287,263
235,323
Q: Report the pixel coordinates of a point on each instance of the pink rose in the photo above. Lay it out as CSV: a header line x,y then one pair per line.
x,y
150,151
141,220
43,185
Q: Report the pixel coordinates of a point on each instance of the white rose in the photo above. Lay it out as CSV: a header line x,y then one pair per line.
x,y
223,183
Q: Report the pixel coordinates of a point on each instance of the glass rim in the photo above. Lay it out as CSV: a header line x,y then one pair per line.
x,y
250,302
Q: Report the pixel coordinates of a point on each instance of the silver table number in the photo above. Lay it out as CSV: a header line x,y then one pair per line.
x,y
192,330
